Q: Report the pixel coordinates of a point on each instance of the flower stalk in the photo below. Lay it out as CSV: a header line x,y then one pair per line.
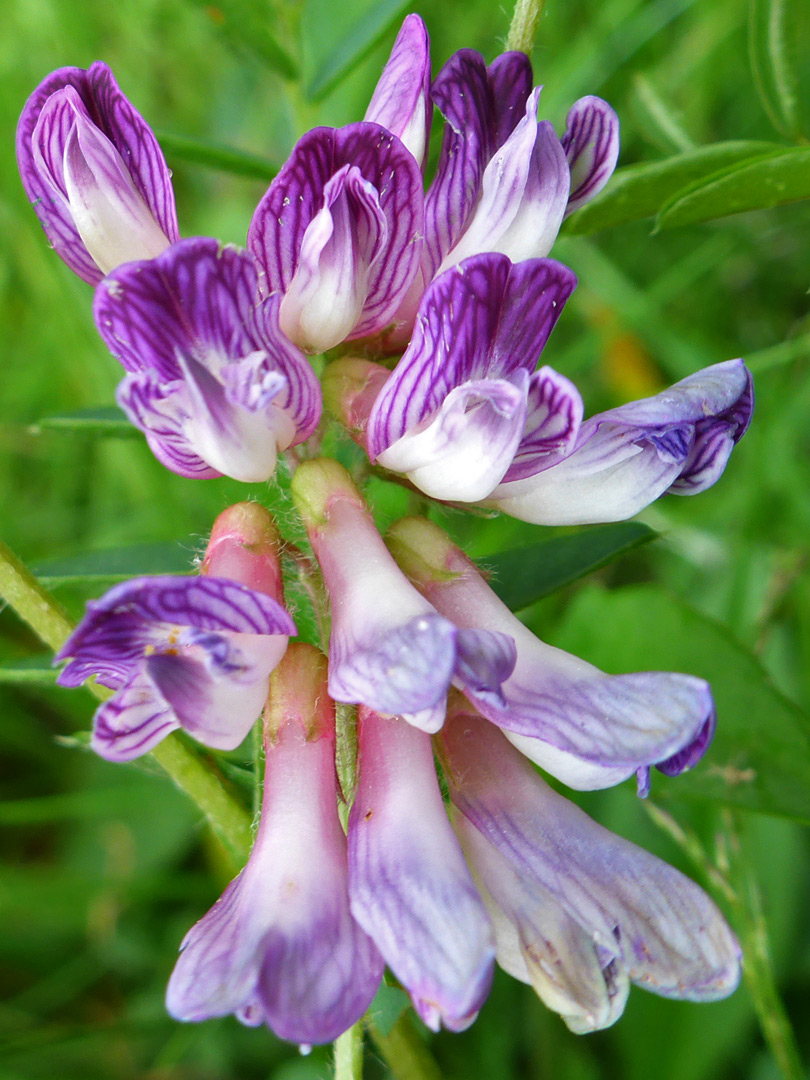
x,y
523,28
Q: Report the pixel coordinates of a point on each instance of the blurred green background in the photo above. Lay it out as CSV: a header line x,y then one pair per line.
x,y
105,867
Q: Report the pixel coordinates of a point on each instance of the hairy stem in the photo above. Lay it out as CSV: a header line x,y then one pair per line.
x,y
349,1054
523,28
404,1052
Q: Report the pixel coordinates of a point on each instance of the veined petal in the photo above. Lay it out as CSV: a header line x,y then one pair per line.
x,y
538,943
134,720
463,452
510,76
46,124
409,886
401,99
524,192
553,418
329,288
485,661
484,319
657,924
625,458
591,144
296,197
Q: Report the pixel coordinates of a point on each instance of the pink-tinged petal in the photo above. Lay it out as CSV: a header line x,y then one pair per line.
x,y
329,289
464,450
591,144
136,719
463,95
215,385
538,943
625,458
510,76
281,946
401,99
524,193
79,136
484,319
652,920
587,728
485,661
553,418
297,195
409,886
245,547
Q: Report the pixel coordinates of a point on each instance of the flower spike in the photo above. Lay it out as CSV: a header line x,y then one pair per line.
x,y
94,172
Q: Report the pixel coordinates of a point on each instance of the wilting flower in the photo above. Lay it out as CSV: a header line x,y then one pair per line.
x,y
388,648
578,912
678,441
465,400
280,946
192,652
589,729
336,233
94,172
409,886
212,381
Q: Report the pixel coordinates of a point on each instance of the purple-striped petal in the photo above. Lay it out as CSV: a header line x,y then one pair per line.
x,y
214,383
553,418
538,943
625,458
510,76
133,721
409,886
587,728
462,93
281,946
655,923
401,99
484,319
591,144
386,186
93,169
485,661
523,195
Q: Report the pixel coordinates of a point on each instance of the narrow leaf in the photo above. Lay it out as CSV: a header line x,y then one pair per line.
x,y
36,670
771,43
639,191
526,574
105,421
757,184
114,564
354,47
214,156
254,28
760,757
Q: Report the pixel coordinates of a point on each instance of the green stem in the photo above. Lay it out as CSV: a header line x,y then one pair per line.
x,y
349,1054
47,618
758,969
404,1052
523,28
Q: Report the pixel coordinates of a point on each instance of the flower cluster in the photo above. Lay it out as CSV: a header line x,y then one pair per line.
x,y
349,249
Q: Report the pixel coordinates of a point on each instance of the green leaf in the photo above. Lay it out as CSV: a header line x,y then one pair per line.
x,y
106,421
760,757
772,50
354,46
639,191
114,564
526,574
756,184
36,670
215,156
254,28
388,1005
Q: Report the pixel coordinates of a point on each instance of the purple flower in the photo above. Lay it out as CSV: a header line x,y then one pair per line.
x,y
388,647
578,912
401,100
94,172
280,946
589,729
409,886
337,233
465,401
191,652
678,441
212,381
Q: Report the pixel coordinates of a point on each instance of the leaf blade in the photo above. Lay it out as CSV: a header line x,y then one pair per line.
x,y
113,564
